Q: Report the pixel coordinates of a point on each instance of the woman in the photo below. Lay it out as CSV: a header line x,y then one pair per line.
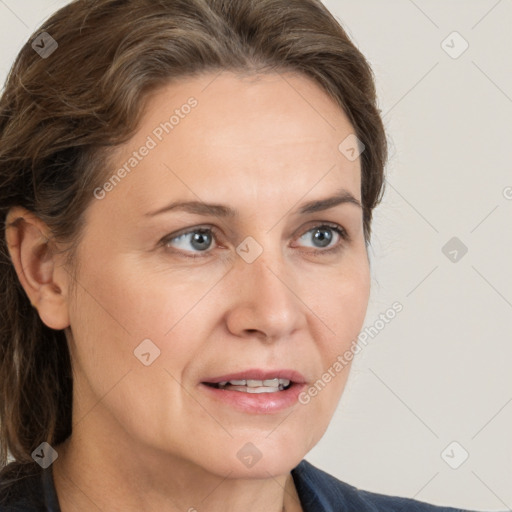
x,y
187,189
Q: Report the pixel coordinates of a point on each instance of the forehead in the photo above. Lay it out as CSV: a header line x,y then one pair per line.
x,y
259,133
292,108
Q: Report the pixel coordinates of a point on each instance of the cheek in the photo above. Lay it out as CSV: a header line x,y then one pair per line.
x,y
108,327
348,304
344,302
129,299
342,309
120,305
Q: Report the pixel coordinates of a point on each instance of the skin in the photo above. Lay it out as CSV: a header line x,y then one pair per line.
x,y
148,437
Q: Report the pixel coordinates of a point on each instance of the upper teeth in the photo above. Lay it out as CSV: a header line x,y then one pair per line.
x,y
251,383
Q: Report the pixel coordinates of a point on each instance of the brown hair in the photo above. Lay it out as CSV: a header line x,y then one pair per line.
x,y
62,116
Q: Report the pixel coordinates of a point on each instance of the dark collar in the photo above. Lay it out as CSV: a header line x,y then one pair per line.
x,y
49,492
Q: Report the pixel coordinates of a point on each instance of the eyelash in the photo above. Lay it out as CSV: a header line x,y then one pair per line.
x,y
206,229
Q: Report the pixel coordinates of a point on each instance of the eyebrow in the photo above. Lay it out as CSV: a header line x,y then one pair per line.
x,y
219,210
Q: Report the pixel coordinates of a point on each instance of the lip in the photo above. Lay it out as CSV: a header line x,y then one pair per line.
x,y
259,374
257,403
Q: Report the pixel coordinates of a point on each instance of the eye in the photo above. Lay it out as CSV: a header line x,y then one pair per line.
x,y
322,236
199,240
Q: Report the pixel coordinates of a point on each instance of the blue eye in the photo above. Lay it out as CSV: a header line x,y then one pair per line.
x,y
323,234
199,240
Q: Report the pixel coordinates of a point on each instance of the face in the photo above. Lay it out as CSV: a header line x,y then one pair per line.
x,y
168,301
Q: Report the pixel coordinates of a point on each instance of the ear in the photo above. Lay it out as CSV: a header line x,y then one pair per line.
x,y
38,266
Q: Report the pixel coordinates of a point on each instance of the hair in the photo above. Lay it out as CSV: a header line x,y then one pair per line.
x,y
61,118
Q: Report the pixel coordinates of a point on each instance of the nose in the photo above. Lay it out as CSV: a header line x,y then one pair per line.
x,y
265,302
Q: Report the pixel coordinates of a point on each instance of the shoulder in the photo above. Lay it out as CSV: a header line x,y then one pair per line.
x,y
21,488
320,491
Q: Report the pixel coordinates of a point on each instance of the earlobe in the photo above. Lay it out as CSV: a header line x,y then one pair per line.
x,y
34,258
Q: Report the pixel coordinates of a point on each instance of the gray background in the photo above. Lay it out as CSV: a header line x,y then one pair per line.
x,y
439,372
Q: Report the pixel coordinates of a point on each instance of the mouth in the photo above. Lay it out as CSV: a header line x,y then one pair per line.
x,y
256,391
252,385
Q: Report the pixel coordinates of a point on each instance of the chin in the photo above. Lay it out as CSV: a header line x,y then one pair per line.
x,y
265,455
264,469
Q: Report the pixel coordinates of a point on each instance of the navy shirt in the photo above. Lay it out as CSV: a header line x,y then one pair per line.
x,y
34,491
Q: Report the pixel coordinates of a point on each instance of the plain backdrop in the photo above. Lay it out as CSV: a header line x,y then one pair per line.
x,y
427,412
